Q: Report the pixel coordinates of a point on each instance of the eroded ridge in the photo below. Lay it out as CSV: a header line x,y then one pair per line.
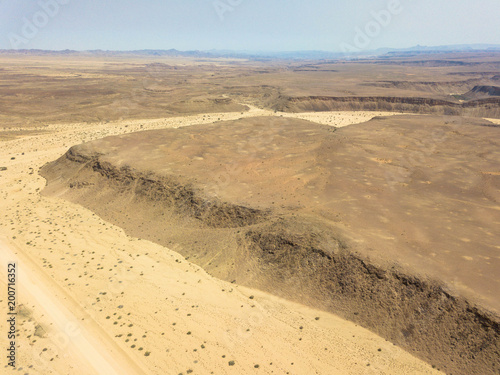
x,y
286,236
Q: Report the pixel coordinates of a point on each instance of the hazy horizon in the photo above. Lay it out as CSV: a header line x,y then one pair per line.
x,y
431,48
243,25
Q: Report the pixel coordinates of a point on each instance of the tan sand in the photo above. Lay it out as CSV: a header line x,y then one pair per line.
x,y
493,120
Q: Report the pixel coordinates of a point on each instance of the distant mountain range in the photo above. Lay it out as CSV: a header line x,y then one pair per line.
x,y
269,55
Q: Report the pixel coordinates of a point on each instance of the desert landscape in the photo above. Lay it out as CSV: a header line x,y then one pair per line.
x,y
222,215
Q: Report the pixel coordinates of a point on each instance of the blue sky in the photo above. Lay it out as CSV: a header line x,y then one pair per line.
x,y
265,25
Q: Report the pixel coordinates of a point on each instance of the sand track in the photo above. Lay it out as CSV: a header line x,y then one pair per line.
x,y
79,334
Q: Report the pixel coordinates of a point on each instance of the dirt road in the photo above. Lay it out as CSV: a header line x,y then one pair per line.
x,y
80,336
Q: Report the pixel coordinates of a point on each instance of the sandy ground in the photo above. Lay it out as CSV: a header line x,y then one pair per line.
x,y
95,301
494,120
89,345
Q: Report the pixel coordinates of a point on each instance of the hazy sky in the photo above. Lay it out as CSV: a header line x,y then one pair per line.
x,y
330,25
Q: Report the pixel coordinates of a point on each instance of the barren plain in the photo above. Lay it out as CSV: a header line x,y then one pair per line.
x,y
238,222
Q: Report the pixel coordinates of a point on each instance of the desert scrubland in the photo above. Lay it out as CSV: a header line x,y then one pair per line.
x,y
228,216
